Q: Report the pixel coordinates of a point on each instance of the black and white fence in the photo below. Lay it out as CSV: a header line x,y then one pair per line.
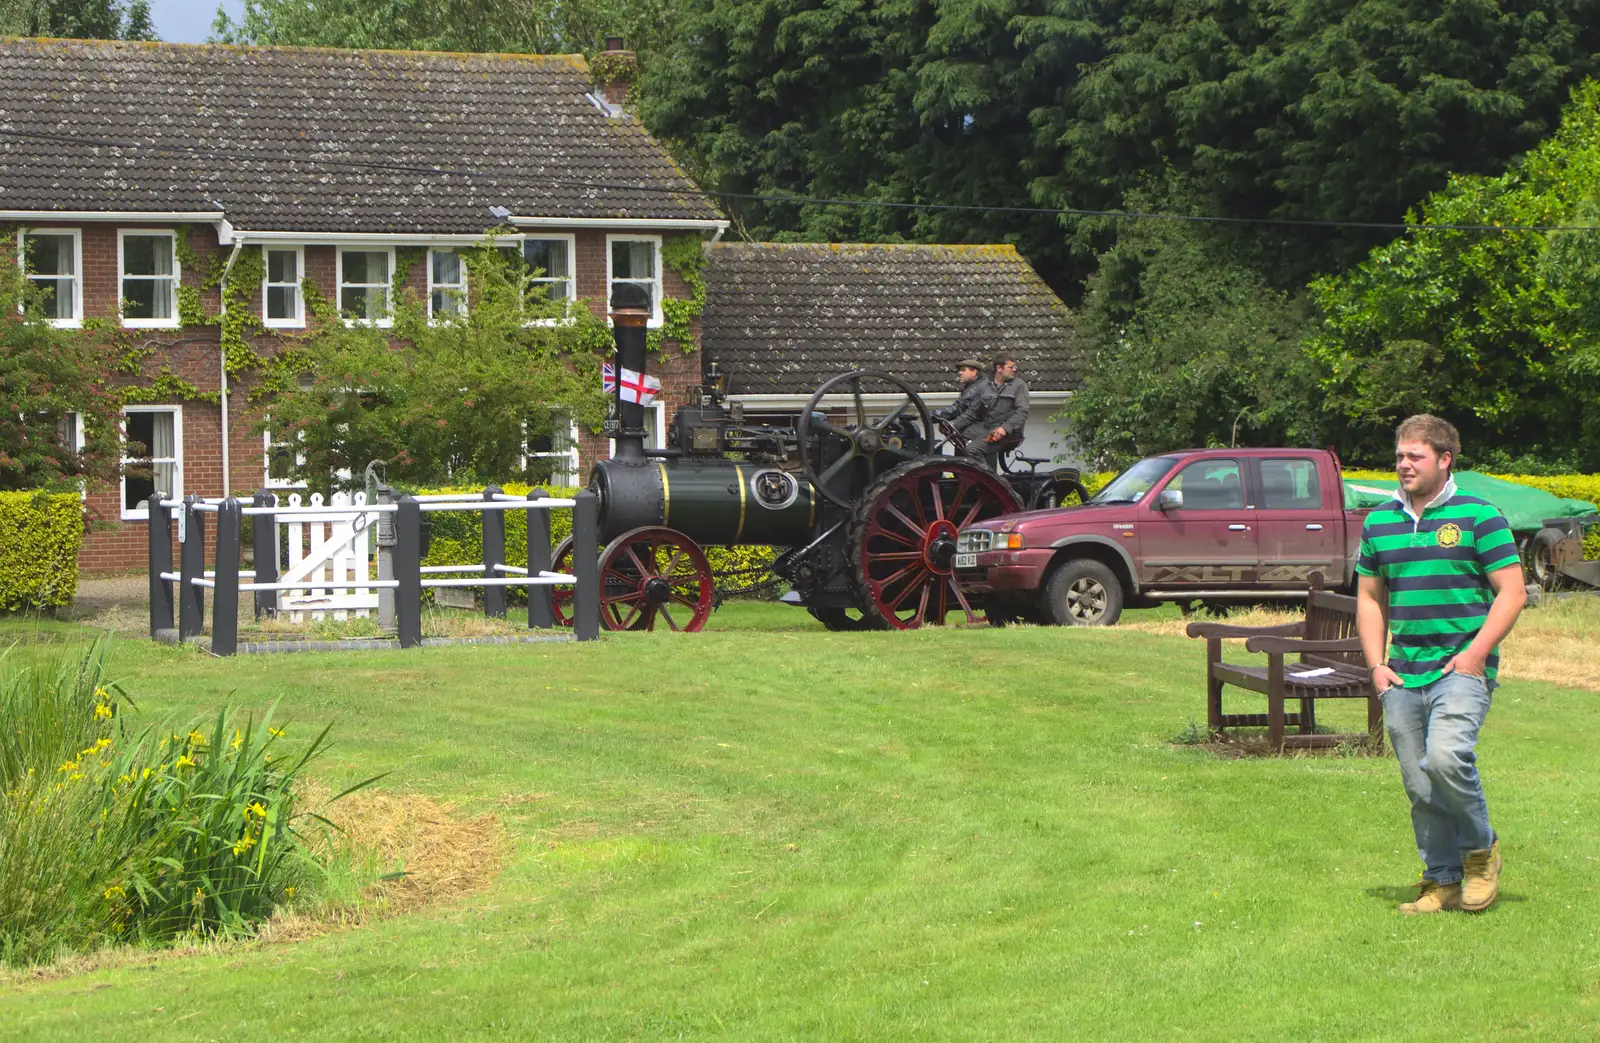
x,y
409,576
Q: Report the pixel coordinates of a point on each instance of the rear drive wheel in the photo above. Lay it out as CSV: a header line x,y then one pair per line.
x,y
1083,593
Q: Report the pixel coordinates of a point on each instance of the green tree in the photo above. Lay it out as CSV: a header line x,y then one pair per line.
x,y
47,374
1187,346
77,19
454,397
1497,331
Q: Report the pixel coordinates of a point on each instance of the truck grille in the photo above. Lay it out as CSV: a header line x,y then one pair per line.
x,y
974,540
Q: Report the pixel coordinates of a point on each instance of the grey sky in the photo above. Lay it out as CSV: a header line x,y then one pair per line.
x,y
188,21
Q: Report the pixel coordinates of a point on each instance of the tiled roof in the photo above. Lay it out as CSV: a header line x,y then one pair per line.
x,y
272,136
782,317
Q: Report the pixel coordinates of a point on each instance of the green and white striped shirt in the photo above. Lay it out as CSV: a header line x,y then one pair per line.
x,y
1436,568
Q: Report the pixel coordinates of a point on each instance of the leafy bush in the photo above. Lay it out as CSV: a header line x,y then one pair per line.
x,y
109,834
40,534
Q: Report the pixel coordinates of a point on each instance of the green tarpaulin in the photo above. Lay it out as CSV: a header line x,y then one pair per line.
x,y
1525,507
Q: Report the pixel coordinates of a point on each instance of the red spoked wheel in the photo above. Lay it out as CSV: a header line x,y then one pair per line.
x,y
903,539
561,597
654,574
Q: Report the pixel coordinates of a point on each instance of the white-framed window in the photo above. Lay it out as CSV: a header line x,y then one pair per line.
x,y
53,259
282,305
655,428
364,285
279,458
560,446
154,460
633,273
148,277
69,432
447,283
550,262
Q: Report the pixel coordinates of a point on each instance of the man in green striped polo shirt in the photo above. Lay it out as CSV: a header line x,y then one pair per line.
x,y
1440,577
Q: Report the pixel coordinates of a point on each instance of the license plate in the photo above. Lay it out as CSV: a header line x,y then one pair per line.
x,y
966,561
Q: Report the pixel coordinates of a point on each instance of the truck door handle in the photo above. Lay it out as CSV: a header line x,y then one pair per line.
x,y
1313,528
1238,528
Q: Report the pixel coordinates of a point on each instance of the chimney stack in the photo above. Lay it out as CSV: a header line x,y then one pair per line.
x,y
615,69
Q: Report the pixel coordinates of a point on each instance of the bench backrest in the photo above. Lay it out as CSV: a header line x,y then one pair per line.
x,y
1332,617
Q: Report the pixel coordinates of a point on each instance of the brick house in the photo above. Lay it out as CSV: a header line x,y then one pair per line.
x,y
123,164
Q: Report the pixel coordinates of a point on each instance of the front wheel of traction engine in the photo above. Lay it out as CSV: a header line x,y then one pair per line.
x,y
655,574
1083,592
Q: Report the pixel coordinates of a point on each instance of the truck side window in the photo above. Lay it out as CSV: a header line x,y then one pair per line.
x,y
1210,485
1290,485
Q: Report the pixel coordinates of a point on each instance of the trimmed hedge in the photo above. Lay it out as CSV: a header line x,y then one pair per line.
x,y
40,534
457,538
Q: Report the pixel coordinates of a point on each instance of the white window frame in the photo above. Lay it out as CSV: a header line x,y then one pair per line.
x,y
78,442
299,252
571,278
388,287
569,454
459,288
142,512
76,321
658,288
267,444
177,279
659,408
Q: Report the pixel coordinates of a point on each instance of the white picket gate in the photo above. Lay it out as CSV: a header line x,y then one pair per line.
x,y
333,545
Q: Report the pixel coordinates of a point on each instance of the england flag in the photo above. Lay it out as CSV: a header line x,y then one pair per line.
x,y
636,386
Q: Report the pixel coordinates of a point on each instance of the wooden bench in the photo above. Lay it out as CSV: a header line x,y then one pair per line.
x,y
1329,651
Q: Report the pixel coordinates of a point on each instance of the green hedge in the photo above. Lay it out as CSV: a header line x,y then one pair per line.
x,y
40,534
457,538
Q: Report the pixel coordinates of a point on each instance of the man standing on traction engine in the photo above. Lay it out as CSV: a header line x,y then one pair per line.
x,y
1439,575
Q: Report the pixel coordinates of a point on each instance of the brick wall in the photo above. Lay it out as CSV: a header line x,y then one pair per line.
x,y
194,356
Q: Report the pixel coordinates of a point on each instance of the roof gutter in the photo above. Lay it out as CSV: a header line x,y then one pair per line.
x,y
688,224
139,216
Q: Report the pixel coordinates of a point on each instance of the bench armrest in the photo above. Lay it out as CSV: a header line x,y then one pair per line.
x,y
1209,630
1289,645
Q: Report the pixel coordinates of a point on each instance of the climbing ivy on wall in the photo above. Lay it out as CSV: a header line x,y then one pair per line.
x,y
684,255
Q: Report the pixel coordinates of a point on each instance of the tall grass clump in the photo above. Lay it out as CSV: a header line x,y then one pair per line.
x,y
114,834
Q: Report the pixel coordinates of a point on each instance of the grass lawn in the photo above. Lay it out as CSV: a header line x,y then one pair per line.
x,y
768,831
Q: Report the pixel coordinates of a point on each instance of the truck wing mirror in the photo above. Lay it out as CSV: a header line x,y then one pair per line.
x,y
1169,500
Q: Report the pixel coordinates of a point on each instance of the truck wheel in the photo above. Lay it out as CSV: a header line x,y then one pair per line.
x,y
1083,593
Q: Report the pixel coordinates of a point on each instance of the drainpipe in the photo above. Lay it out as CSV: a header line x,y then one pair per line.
x,y
222,369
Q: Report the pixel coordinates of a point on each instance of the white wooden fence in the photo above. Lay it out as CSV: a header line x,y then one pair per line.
x,y
335,545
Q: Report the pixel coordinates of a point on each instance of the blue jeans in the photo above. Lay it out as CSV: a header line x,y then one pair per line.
x,y
1434,731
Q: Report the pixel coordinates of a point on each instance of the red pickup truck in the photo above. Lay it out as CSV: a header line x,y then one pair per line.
x,y
1208,525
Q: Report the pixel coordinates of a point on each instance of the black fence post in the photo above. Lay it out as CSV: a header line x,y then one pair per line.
x,y
264,529
586,567
225,595
540,616
191,566
408,571
160,561
494,553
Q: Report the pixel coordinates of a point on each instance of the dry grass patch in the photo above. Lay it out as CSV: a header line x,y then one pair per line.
x,y
392,854
1251,617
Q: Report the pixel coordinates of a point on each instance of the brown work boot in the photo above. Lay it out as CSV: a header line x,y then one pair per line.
x,y
1434,897
1482,878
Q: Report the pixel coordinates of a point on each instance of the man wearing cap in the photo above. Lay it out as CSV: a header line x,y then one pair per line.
x,y
969,387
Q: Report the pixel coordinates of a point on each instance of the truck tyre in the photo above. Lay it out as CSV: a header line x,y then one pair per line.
x,y
1541,557
1083,593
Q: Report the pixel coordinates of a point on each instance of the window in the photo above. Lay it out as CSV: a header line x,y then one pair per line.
x,y
51,260
634,274
550,265
279,459
1210,485
447,283
1288,485
150,277
655,427
154,437
280,289
364,285
558,446
69,431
